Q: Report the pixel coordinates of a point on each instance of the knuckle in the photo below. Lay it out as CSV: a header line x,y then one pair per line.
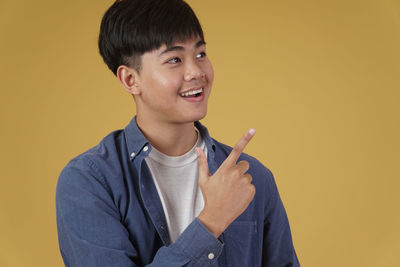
x,y
236,173
247,137
243,163
252,189
236,149
246,164
244,181
249,177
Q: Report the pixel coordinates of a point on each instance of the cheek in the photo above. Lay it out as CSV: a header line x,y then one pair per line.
x,y
210,73
170,85
163,84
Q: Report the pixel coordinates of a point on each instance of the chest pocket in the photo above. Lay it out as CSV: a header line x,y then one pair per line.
x,y
241,244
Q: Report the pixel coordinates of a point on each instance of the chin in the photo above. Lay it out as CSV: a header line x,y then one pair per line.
x,y
201,115
195,117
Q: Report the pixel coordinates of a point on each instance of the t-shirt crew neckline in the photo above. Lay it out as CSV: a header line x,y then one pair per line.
x,y
177,161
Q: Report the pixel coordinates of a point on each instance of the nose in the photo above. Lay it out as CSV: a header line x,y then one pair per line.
x,y
193,71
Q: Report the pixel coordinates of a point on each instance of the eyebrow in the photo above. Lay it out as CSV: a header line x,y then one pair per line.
x,y
181,48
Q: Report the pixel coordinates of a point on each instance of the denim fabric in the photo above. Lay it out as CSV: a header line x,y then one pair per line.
x,y
109,213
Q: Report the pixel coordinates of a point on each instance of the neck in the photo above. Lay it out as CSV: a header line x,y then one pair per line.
x,y
171,139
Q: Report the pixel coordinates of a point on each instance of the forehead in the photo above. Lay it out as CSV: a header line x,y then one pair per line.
x,y
187,44
186,41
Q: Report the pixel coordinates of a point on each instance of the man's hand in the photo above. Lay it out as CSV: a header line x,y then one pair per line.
x,y
228,192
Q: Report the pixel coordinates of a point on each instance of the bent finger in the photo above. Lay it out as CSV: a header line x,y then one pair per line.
x,y
243,166
248,177
202,164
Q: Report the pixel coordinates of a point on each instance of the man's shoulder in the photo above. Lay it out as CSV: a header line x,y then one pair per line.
x,y
106,150
100,162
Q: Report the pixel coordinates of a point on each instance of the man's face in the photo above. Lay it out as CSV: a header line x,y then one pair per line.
x,y
175,83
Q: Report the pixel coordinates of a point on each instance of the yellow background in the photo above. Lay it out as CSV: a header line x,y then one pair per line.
x,y
319,80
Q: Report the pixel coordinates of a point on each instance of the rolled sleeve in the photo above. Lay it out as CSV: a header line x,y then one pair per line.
x,y
199,244
196,246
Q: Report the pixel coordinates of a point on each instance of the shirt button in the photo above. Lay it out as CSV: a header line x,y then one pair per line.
x,y
145,148
132,155
211,256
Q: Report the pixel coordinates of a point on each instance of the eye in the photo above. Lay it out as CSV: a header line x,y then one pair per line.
x,y
174,60
201,55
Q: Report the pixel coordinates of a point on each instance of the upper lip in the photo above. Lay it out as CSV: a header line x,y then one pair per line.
x,y
191,89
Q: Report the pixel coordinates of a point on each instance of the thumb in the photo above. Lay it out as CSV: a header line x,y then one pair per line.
x,y
203,165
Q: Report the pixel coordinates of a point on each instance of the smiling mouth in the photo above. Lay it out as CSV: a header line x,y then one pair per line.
x,y
193,93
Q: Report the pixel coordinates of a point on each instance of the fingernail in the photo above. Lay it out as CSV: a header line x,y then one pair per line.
x,y
252,131
197,151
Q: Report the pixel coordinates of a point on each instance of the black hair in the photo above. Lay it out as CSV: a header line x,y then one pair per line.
x,y
130,28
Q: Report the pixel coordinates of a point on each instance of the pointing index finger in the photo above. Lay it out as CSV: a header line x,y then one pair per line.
x,y
239,147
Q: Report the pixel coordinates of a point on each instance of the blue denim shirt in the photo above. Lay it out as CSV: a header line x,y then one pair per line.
x,y
109,213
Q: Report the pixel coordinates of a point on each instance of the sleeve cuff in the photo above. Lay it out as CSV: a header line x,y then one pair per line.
x,y
198,244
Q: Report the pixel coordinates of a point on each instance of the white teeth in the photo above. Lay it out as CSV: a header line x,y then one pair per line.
x,y
192,92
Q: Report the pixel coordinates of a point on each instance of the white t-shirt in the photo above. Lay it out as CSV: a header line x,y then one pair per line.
x,y
176,180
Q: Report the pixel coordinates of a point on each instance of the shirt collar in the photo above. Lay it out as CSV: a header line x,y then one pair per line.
x,y
136,141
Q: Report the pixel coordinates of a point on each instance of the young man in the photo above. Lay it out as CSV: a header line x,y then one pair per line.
x,y
162,192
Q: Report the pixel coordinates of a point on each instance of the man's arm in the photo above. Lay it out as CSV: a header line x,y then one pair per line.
x,y
89,228
91,233
229,191
278,249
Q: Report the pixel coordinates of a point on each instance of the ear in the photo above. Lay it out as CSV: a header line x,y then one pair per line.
x,y
129,78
